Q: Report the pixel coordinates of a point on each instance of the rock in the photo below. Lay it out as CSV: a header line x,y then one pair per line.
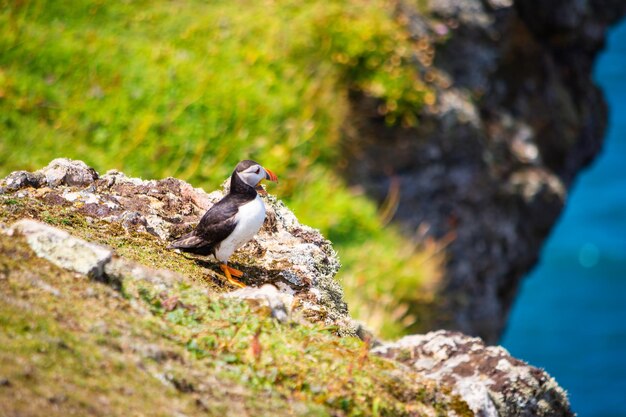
x,y
64,171
60,171
21,179
64,250
493,383
489,164
280,303
119,270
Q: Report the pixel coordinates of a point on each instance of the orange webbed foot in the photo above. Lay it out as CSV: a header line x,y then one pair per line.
x,y
229,272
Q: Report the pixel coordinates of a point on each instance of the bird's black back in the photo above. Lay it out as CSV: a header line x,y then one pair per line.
x,y
218,222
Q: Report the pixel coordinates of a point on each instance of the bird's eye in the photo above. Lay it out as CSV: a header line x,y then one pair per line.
x,y
257,170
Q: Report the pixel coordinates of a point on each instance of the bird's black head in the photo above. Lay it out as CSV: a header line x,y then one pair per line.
x,y
249,173
245,164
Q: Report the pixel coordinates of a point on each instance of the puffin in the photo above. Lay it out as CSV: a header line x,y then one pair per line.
x,y
232,221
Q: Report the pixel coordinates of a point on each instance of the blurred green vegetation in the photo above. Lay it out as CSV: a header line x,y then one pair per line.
x,y
187,89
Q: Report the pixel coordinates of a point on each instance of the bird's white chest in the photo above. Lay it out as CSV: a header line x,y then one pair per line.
x,y
250,218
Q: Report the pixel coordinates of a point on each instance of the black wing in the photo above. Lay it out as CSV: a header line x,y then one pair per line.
x,y
216,225
219,221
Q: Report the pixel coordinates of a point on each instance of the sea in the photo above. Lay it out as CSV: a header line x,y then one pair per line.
x,y
570,315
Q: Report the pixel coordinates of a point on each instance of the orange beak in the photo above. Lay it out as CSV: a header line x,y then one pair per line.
x,y
269,175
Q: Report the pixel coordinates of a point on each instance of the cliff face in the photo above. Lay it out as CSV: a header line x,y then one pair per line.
x,y
517,116
98,318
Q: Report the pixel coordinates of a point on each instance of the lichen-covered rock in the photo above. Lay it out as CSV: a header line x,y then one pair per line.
x,y
63,171
295,258
279,303
493,383
59,172
63,249
98,262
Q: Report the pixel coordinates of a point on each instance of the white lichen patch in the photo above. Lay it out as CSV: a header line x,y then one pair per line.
x,y
63,249
488,379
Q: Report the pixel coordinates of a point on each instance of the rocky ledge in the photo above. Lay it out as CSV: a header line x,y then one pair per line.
x,y
99,318
490,381
291,257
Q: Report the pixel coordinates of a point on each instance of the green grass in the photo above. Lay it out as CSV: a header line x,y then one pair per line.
x,y
186,89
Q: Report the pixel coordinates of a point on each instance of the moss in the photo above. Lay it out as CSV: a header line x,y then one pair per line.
x,y
10,201
58,355
79,347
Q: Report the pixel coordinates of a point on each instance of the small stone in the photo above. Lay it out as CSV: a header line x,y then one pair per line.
x,y
58,399
64,171
269,295
21,179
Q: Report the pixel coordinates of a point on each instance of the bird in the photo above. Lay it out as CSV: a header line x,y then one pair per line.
x,y
232,221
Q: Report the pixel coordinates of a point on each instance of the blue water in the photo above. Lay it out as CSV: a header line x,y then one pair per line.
x,y
570,316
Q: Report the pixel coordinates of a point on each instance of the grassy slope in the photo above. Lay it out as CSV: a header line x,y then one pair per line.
x,y
186,89
71,346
